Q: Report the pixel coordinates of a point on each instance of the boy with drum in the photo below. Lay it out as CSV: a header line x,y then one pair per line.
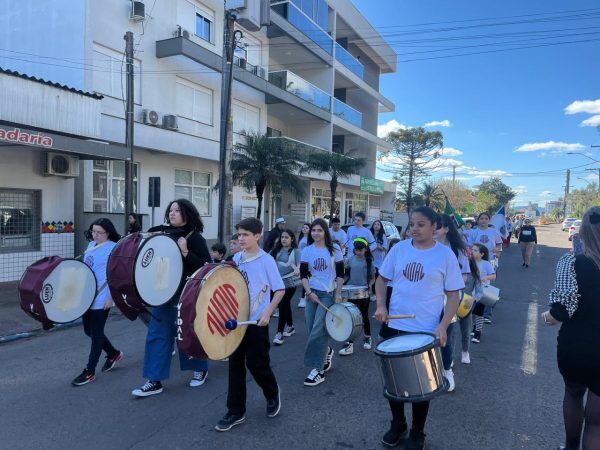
x,y
422,271
261,274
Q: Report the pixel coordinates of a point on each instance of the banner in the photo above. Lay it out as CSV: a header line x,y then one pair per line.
x,y
449,209
499,222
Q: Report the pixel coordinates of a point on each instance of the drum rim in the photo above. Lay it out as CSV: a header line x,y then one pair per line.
x,y
406,353
419,398
93,299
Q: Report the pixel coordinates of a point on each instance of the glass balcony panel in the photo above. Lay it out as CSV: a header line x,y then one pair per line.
x,y
301,88
347,113
344,56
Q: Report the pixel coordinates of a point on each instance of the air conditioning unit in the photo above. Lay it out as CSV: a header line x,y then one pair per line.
x,y
138,11
240,62
248,12
169,121
151,117
61,165
181,32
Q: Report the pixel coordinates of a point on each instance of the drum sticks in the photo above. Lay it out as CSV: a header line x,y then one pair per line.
x,y
402,316
232,324
328,310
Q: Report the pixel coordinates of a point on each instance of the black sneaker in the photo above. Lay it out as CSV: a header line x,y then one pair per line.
x,y
230,421
110,362
416,440
476,337
328,360
150,388
314,378
274,405
84,378
395,435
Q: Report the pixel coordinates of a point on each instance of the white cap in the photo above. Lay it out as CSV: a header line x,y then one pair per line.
x,y
280,220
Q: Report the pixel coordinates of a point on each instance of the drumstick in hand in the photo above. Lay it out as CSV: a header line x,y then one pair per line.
x,y
232,324
329,310
402,316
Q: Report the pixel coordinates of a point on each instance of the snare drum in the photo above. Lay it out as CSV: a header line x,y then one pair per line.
x,y
351,292
144,269
348,324
56,290
213,295
411,367
291,281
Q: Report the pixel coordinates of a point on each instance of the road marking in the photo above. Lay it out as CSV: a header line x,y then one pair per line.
x,y
529,355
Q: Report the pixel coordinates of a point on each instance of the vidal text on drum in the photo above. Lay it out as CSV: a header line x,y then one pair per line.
x,y
214,295
56,290
144,269
411,367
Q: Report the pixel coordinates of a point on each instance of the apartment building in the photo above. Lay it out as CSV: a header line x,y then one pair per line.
x,y
311,76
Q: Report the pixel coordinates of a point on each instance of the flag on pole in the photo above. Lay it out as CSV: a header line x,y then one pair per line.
x,y
499,222
449,209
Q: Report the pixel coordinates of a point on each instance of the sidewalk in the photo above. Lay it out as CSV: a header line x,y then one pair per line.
x,y
13,319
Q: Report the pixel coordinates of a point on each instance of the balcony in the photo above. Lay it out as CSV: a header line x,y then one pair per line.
x,y
350,115
303,23
302,146
351,63
292,83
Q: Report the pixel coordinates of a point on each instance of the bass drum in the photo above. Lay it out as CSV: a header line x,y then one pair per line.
x,y
57,290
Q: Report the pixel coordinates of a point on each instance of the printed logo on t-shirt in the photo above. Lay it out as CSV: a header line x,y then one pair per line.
x,y
320,264
414,272
245,275
484,238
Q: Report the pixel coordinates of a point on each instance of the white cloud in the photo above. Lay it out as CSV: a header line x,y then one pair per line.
x,y
583,106
393,125
593,121
438,123
551,146
449,151
520,190
546,194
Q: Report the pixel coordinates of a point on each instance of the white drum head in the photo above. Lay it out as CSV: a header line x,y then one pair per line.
x,y
339,328
69,291
158,270
405,343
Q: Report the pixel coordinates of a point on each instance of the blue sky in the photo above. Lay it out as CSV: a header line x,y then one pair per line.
x,y
498,103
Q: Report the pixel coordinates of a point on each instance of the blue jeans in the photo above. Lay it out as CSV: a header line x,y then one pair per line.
x,y
318,339
159,345
487,312
448,350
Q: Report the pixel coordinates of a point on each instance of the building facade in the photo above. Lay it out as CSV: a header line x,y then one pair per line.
x,y
311,76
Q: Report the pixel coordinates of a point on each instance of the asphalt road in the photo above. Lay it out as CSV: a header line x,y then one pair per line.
x,y
508,398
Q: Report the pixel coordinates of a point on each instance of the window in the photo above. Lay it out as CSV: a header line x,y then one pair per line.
x,y
110,73
194,102
196,187
204,25
20,218
245,117
108,193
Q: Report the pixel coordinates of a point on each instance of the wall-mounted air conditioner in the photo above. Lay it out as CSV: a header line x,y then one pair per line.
x,y
138,11
61,165
151,117
169,121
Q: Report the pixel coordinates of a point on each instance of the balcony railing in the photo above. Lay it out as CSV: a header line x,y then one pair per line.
x,y
303,146
289,81
302,22
347,113
353,64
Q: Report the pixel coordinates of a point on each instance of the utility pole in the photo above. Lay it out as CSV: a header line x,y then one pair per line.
x,y
129,128
453,178
226,132
566,193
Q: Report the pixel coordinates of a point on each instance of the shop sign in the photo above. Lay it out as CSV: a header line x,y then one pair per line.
x,y
18,136
371,185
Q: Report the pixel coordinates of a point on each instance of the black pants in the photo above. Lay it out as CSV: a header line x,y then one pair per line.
x,y
419,409
252,353
93,326
363,305
285,309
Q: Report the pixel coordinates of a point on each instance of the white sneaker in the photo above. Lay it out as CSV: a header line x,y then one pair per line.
x,y
278,339
302,303
347,349
466,358
367,344
275,314
289,331
314,378
449,375
198,379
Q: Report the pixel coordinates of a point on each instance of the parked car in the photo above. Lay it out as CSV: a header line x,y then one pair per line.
x,y
388,227
568,222
574,229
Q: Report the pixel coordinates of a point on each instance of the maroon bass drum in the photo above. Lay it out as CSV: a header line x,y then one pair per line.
x,y
144,269
57,290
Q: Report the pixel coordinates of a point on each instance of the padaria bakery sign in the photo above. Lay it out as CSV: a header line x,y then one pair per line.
x,y
17,136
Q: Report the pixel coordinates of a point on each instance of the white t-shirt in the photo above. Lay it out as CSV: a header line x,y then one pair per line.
x,y
302,243
362,232
96,257
420,280
485,269
262,275
321,266
379,255
339,236
489,237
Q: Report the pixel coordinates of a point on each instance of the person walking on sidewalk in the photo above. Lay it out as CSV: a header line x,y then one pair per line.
x,y
104,237
527,240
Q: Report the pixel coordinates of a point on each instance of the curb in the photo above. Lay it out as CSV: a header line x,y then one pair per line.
x,y
27,334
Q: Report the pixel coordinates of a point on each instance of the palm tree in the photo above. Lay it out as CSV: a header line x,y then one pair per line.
x,y
262,161
432,196
336,166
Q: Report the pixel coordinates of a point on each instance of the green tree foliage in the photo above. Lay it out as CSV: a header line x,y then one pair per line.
x,y
460,195
485,202
501,192
580,200
430,195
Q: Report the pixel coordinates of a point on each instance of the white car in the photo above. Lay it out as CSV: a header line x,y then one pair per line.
x,y
574,229
567,223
